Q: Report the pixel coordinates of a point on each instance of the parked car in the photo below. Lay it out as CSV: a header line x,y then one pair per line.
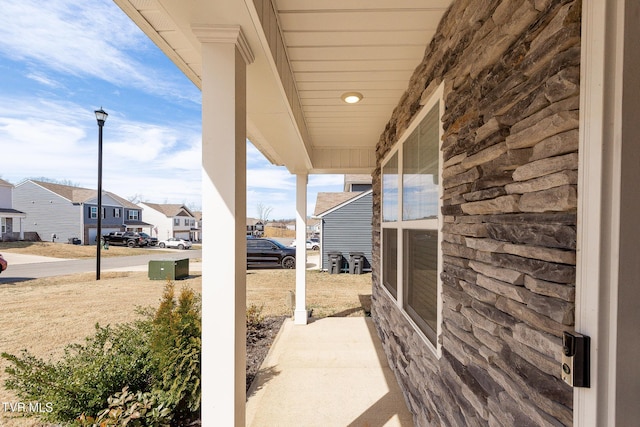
x,y
151,241
3,264
310,245
174,242
263,252
125,238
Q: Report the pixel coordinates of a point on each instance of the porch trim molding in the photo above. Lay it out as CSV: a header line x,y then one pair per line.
x,y
608,238
225,34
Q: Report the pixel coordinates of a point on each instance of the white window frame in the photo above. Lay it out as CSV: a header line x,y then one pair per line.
x,y
401,225
131,215
176,222
93,212
116,212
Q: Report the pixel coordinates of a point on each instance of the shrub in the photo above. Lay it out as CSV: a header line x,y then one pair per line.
x,y
87,374
176,349
158,357
255,320
129,409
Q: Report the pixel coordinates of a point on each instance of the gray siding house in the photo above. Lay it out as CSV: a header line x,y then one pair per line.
x,y
345,225
61,212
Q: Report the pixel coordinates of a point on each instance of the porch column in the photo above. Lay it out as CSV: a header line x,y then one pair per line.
x,y
225,55
21,228
301,315
607,291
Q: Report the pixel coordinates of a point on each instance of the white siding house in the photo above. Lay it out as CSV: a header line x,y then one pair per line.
x,y
170,220
10,219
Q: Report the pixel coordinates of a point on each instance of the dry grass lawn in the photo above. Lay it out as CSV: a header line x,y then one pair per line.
x,y
65,250
44,315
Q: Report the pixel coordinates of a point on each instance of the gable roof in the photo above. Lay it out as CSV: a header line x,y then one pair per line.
x,y
253,221
326,201
5,183
168,209
81,195
357,195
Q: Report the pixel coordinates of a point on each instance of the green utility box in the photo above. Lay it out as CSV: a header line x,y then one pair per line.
x,y
169,269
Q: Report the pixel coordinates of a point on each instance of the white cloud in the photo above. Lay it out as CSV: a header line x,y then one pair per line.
x,y
85,39
271,178
159,161
43,79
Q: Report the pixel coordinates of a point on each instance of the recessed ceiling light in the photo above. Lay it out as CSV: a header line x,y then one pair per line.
x,y
351,97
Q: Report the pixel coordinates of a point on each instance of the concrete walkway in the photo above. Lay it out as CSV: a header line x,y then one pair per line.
x,y
331,372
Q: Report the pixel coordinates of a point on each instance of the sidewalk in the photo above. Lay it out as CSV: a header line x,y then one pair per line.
x,y
331,372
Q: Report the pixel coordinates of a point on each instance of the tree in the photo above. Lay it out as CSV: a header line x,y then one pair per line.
x,y
136,198
263,212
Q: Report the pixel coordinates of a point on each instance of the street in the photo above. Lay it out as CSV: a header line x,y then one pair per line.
x,y
35,270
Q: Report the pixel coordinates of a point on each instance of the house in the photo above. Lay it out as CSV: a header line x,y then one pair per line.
x,y
345,225
357,182
171,220
197,233
61,212
11,220
255,227
501,136
313,227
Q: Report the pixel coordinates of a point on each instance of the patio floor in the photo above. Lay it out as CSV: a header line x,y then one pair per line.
x,y
331,372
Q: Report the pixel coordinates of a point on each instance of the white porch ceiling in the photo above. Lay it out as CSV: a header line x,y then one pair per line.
x,y
308,53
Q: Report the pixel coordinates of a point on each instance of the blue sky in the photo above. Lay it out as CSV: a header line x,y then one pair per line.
x,y
62,59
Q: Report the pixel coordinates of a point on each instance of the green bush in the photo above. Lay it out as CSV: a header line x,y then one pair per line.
x,y
158,357
134,410
176,348
87,374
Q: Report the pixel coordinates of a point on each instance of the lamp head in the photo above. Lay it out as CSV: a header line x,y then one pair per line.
x,y
101,116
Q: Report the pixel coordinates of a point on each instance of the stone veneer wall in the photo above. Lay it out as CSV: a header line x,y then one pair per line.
x,y
511,75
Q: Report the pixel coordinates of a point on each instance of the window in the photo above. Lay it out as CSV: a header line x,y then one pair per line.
x,y
93,212
411,194
176,221
133,215
390,259
104,213
116,212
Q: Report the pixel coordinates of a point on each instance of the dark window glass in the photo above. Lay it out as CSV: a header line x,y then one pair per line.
x,y
390,260
421,277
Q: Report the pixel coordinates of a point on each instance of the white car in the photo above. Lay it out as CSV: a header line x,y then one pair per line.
x,y
173,242
310,245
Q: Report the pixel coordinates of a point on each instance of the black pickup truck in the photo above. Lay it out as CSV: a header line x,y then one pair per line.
x,y
151,241
125,238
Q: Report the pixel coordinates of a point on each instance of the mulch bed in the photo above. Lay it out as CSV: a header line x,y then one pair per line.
x,y
259,340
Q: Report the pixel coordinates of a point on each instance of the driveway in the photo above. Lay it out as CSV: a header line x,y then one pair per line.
x,y
17,259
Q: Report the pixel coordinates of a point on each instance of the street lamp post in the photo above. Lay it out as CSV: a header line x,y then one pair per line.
x,y
101,116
